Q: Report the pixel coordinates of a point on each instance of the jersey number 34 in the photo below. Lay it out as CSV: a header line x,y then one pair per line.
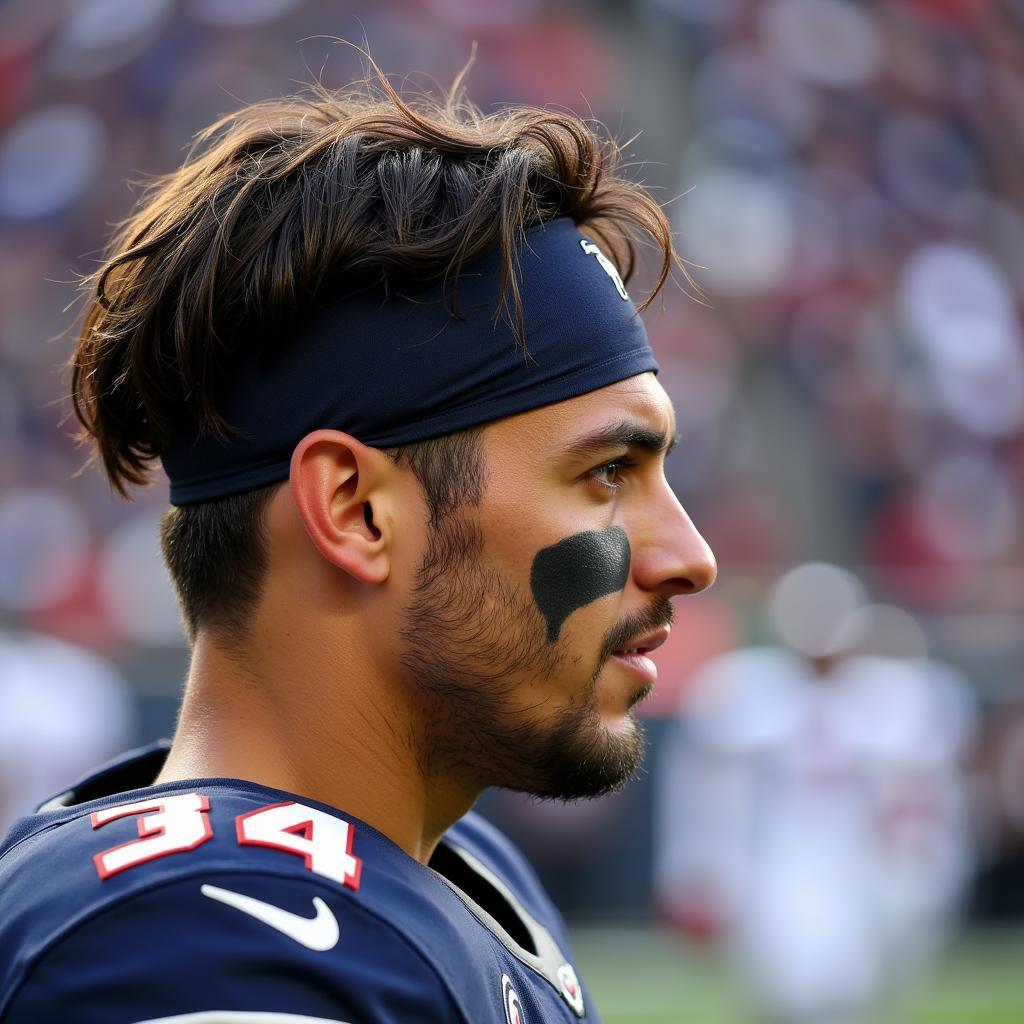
x,y
175,824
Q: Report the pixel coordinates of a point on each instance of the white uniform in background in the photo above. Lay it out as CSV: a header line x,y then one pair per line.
x,y
63,711
820,821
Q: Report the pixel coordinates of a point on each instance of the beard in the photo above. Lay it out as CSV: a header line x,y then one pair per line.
x,y
475,650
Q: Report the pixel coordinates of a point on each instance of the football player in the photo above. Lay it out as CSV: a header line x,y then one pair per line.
x,y
813,811
423,544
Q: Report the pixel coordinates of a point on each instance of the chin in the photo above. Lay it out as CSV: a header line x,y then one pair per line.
x,y
620,726
598,764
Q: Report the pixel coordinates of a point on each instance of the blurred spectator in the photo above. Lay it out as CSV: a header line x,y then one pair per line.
x,y
63,711
812,810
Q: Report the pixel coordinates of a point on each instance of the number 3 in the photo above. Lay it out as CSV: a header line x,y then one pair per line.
x,y
178,823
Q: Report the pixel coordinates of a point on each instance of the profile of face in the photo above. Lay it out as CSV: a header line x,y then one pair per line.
x,y
524,607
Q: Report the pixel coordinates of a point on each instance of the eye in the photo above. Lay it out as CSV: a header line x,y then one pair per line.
x,y
609,474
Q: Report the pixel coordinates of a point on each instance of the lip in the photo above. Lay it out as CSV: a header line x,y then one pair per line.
x,y
639,666
637,662
646,644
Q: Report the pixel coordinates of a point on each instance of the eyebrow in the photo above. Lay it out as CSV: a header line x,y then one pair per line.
x,y
621,434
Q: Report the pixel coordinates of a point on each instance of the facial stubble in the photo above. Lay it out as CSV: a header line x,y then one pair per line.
x,y
473,643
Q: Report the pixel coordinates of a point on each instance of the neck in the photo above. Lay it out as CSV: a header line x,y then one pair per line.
x,y
281,718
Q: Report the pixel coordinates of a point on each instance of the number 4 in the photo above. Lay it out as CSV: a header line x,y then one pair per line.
x,y
323,840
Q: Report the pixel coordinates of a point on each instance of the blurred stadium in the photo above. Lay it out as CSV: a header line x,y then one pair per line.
x,y
846,181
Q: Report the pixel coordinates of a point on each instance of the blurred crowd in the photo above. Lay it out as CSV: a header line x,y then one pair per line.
x,y
845,179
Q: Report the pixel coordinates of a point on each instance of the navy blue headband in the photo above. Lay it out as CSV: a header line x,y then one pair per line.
x,y
398,370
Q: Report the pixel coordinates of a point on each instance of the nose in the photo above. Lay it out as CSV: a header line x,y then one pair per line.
x,y
670,556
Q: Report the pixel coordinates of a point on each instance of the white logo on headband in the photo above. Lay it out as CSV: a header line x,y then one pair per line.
x,y
609,268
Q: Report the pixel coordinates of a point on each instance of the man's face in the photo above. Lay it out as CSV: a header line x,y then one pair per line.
x,y
521,604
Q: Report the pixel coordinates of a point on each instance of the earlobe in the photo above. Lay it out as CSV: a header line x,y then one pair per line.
x,y
333,481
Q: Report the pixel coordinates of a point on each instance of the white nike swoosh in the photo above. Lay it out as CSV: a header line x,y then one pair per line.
x,y
319,933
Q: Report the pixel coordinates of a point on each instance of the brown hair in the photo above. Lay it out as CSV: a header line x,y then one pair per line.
x,y
287,202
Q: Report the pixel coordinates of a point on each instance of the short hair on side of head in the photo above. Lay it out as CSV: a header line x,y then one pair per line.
x,y
215,553
215,550
289,203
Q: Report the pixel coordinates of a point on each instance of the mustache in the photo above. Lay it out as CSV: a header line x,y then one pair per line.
x,y
659,613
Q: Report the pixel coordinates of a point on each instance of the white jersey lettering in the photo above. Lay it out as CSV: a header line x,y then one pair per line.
x,y
323,841
173,824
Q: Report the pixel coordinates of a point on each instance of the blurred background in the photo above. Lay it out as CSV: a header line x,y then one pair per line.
x,y
845,177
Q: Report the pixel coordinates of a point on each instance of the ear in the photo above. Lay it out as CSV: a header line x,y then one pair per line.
x,y
334,479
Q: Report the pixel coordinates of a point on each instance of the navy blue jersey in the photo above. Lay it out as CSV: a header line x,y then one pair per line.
x,y
218,901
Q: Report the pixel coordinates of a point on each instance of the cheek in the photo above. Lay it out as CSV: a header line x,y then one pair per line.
x,y
513,530
515,525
